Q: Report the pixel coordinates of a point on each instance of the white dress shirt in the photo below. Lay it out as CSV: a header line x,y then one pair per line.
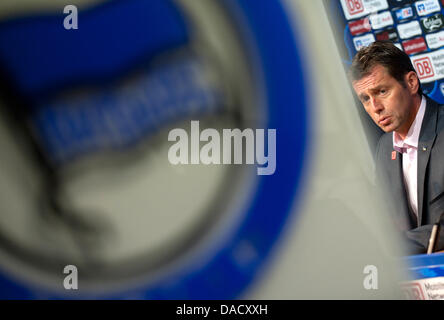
x,y
409,149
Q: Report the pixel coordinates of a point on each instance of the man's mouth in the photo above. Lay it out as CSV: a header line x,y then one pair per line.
x,y
384,121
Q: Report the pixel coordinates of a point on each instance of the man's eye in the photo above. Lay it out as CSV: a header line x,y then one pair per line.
x,y
383,91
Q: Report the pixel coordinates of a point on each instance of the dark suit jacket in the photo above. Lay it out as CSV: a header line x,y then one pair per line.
x,y
430,180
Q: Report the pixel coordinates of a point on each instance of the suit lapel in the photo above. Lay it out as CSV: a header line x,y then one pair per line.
x,y
426,140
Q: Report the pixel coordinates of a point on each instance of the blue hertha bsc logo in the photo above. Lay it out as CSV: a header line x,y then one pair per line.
x,y
96,105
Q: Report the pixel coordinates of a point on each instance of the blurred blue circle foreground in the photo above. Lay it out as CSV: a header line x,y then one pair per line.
x,y
275,52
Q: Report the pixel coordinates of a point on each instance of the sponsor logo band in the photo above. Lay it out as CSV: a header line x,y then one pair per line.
x,y
429,66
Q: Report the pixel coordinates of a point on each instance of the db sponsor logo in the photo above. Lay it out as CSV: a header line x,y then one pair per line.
x,y
354,6
413,291
423,67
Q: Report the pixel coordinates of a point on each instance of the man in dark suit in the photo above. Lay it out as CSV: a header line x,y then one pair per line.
x,y
410,154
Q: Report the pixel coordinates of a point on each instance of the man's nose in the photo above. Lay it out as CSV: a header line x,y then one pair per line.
x,y
376,104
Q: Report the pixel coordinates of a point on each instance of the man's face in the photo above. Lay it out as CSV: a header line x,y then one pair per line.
x,y
391,105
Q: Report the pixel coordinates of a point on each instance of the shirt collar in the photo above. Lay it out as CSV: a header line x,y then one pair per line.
x,y
412,138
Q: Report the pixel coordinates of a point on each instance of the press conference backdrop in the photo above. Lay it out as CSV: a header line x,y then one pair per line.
x,y
85,178
414,26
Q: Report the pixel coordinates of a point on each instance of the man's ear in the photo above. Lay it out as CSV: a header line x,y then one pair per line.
x,y
412,82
